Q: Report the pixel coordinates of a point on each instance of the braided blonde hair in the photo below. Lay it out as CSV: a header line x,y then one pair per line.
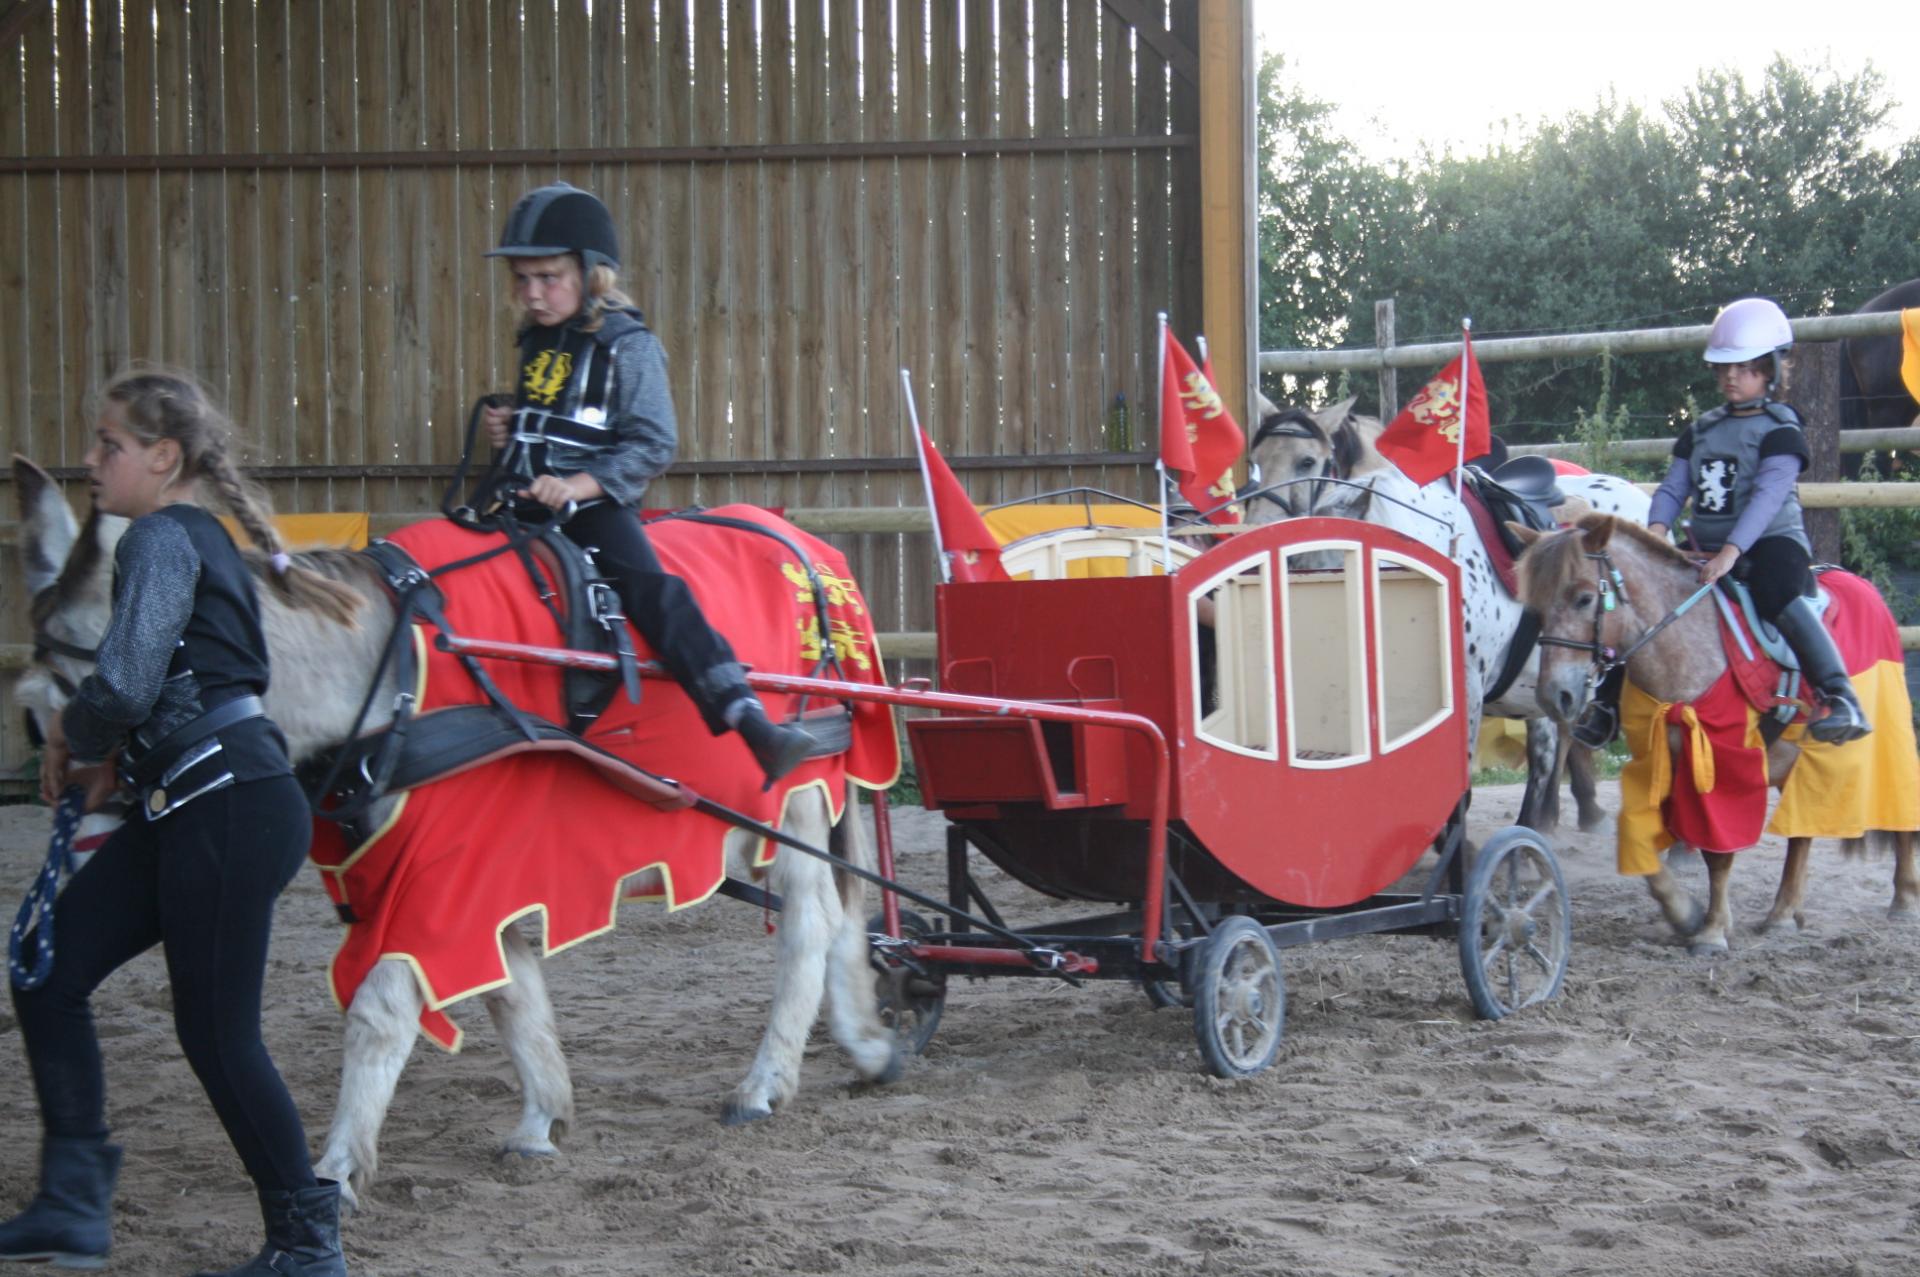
x,y
160,403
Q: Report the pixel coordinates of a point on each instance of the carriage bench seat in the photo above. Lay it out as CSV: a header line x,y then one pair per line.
x,y
966,761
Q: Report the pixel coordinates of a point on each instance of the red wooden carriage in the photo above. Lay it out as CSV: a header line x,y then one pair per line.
x,y
1306,678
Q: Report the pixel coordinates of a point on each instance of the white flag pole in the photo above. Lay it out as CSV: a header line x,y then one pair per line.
x,y
1466,374
926,479
1160,462
1200,340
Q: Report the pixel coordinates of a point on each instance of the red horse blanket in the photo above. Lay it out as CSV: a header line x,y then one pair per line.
x,y
1713,794
546,834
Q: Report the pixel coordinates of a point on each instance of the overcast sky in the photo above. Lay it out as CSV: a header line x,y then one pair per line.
x,y
1403,74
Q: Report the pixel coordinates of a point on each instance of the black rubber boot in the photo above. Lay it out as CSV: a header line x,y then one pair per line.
x,y
777,747
67,1224
303,1235
1822,668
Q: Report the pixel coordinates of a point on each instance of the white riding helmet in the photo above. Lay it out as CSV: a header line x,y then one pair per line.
x,y
1748,329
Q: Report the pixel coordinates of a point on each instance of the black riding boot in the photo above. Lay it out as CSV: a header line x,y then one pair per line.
x,y
777,747
1822,668
66,1224
303,1235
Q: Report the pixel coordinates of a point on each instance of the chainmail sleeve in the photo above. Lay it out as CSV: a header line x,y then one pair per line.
x,y
640,408
155,571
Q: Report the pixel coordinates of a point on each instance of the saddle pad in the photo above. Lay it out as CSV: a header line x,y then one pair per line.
x,y
545,834
1490,537
1858,619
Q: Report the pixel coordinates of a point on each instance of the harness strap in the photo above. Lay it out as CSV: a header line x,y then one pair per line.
x,y
152,764
1525,639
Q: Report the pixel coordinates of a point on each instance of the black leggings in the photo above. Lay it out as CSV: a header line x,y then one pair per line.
x,y
662,608
1778,570
201,883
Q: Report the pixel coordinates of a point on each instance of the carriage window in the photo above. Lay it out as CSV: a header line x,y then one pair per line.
x,y
1414,641
1231,619
1325,651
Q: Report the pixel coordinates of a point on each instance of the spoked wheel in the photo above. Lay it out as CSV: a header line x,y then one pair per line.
x,y
1516,924
1239,999
910,1001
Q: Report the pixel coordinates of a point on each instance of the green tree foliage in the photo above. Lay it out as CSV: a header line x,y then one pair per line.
x,y
1609,218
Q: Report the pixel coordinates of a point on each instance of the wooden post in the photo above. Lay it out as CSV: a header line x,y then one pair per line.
x,y
1389,377
1815,389
1229,254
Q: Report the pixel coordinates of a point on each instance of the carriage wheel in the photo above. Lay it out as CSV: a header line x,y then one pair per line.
x,y
910,1002
1516,924
1239,999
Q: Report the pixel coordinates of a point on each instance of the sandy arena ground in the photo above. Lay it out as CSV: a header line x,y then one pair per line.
x,y
1752,1115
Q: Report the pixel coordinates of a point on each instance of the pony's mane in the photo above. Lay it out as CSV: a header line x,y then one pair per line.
x,y
349,567
1559,558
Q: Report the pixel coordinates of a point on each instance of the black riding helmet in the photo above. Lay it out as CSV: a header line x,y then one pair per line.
x,y
560,219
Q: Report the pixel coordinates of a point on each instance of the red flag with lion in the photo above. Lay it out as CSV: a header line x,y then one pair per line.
x,y
1199,439
1424,440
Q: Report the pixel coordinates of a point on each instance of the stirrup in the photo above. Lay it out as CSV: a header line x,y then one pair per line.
x,y
1844,721
1597,725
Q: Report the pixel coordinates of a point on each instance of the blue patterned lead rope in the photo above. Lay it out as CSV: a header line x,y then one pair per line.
x,y
30,970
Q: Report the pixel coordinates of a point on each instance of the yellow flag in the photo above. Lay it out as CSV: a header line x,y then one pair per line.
x,y
1910,360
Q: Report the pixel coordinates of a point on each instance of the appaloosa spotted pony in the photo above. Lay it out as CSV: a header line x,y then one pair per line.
x,y
1329,466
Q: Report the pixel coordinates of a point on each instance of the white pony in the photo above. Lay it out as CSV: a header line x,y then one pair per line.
x,y
1330,466
320,672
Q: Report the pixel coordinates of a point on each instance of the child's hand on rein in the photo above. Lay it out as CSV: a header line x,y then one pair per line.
x,y
1719,565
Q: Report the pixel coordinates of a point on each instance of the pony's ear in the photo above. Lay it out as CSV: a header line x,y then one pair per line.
x,y
1333,416
1525,535
1264,406
1597,529
47,526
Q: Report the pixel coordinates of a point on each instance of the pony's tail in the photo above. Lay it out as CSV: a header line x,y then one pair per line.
x,y
297,586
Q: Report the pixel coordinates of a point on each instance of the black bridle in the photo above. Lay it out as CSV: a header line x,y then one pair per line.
x,y
1612,594
1293,424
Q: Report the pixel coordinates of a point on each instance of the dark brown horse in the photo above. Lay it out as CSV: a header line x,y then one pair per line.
x,y
1871,392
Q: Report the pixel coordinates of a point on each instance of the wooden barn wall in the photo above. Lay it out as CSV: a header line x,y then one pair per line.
x,y
341,306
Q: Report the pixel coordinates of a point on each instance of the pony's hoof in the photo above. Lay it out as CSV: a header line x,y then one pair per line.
x,y
1708,948
737,1112
1903,913
1592,820
528,1150
891,1071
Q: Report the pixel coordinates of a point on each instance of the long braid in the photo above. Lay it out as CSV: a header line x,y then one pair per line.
x,y
300,587
161,404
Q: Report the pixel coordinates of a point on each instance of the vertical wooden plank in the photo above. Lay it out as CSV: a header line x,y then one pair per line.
x,y
178,328
980,425
1226,195
40,228
942,293
340,194
447,380
248,328
704,425
484,331
572,80
785,205
142,230
373,55
880,408
1186,315
506,129
1020,430
15,358
279,287
540,71
308,278
638,125
1120,304
812,432
414,306
1053,324
206,194
78,353
1083,212
746,377
1152,170
920,224
108,191
678,241
839,273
